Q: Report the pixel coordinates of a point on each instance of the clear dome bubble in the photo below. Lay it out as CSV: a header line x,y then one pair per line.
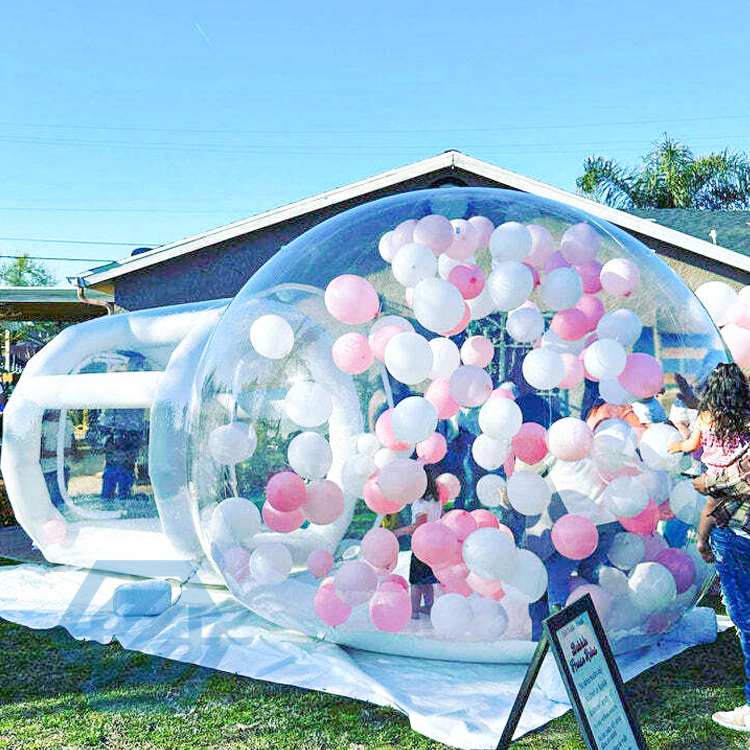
x,y
302,401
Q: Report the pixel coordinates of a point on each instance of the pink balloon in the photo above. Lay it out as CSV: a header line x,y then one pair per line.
x,y
460,522
534,273
590,276
485,519
737,313
661,622
574,536
324,502
530,443
680,565
386,435
653,544
483,586
620,277
376,501
352,354
665,511
237,563
573,370
455,585
433,449
602,600
478,351
592,307
570,439
281,521
645,522
468,279
542,245
379,547
484,228
501,392
435,231
351,299
55,531
555,261
643,375
320,562
465,240
329,606
409,295
285,491
393,580
506,530
380,338
456,569
434,543
390,609
451,485
438,393
571,324
462,323
402,235
737,340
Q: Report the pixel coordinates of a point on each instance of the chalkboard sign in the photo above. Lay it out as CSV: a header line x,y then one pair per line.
x,y
592,679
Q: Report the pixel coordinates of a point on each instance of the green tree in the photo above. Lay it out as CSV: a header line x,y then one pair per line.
x,y
670,176
23,271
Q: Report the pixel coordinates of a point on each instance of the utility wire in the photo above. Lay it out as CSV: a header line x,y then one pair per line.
x,y
80,242
63,260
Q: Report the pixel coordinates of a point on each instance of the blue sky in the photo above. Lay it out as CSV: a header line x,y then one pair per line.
x,y
145,122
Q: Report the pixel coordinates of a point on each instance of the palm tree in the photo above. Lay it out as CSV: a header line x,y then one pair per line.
x,y
671,177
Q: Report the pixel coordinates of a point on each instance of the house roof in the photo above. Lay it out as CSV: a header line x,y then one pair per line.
x,y
448,159
49,303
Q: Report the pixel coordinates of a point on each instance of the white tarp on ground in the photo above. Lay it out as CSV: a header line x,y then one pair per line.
x,y
460,704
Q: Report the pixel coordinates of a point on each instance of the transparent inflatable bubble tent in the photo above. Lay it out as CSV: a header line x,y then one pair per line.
x,y
467,378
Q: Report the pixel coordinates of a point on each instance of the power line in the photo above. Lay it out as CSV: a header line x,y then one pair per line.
x,y
63,260
80,242
126,210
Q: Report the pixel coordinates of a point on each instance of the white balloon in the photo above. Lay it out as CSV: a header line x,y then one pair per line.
x,y
470,385
604,359
561,288
500,418
543,368
402,479
482,305
525,324
652,587
445,264
308,404
408,358
612,392
489,453
528,493
414,419
489,620
615,444
232,443
510,284
355,472
622,325
437,305
450,616
656,484
391,320
384,247
613,580
654,444
491,490
310,455
625,497
270,563
510,241
412,263
686,502
446,357
529,578
716,297
272,336
570,439
465,239
386,455
490,553
626,550
368,444
234,519
355,582
552,340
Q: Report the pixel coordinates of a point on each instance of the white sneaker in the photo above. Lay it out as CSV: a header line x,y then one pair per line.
x,y
738,718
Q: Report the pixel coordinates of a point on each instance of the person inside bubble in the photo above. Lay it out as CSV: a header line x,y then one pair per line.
x,y
421,578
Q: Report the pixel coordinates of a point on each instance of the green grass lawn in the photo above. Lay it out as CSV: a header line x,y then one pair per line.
x,y
56,692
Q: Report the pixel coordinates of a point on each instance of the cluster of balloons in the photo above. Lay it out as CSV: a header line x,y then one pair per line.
x,y
730,310
611,494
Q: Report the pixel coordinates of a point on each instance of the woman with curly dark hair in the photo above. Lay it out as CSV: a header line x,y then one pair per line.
x,y
723,430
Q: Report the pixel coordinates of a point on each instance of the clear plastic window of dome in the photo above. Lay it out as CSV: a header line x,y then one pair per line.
x,y
416,429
